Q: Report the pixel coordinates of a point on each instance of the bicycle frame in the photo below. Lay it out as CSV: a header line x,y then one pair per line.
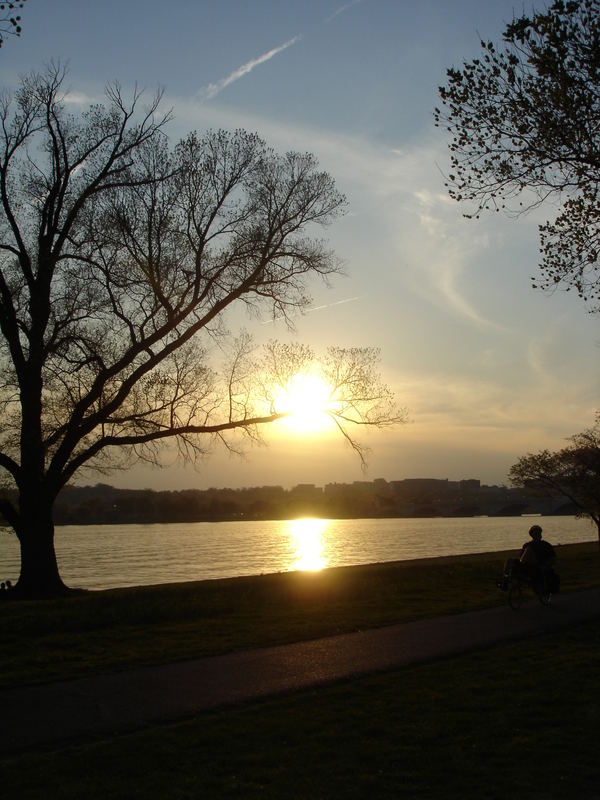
x,y
517,583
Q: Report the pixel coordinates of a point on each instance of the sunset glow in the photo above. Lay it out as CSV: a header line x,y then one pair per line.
x,y
307,541
308,400
467,345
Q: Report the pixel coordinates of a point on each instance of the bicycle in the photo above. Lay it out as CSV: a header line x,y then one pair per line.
x,y
517,583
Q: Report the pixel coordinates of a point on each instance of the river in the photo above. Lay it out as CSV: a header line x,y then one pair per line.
x,y
109,556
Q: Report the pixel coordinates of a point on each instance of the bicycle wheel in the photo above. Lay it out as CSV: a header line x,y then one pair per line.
x,y
545,598
515,595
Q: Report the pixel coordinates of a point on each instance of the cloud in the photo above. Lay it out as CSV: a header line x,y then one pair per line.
x,y
467,407
484,363
78,98
213,89
396,191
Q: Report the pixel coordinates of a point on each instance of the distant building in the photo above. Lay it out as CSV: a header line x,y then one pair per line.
x,y
470,485
306,491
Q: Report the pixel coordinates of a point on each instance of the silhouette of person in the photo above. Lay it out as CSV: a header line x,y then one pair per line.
x,y
537,556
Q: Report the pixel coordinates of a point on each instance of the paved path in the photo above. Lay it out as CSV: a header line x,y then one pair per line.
x,y
106,704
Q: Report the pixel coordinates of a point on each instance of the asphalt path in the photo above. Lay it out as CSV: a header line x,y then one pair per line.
x,y
101,705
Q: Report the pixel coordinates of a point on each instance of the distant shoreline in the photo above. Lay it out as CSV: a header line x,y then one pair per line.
x,y
411,498
302,516
379,499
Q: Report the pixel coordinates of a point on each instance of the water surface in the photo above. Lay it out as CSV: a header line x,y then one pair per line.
x,y
108,556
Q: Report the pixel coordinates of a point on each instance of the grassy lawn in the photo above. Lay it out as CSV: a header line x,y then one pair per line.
x,y
116,629
518,719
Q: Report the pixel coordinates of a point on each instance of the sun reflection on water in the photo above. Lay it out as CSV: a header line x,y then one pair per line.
x,y
307,543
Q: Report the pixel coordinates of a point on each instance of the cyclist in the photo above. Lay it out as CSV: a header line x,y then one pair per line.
x,y
537,557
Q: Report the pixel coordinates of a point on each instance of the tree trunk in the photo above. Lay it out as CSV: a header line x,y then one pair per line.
x,y
39,575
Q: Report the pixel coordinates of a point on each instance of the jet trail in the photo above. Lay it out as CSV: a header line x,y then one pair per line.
x,y
341,9
213,89
315,308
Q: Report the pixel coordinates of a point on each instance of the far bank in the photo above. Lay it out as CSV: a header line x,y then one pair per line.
x,y
409,497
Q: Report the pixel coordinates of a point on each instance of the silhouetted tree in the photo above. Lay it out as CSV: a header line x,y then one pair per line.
x,y
573,472
10,22
524,122
119,258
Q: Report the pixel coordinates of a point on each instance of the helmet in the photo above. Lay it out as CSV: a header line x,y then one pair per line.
x,y
535,532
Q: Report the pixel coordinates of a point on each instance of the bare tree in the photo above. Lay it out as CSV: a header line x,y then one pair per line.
x,y
119,260
354,394
523,122
10,22
573,472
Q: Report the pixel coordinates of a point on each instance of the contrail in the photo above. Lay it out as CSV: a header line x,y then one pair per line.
x,y
214,88
315,308
335,303
343,8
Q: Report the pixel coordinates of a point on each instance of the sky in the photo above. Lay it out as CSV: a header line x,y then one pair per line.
x,y
487,368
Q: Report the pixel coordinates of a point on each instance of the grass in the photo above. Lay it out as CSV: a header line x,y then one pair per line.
x,y
117,629
516,718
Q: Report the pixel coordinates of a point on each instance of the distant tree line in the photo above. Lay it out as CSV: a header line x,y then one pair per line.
x,y
103,504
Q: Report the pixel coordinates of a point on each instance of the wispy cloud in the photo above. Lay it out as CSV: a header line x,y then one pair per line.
x,y
213,89
433,277
78,98
398,188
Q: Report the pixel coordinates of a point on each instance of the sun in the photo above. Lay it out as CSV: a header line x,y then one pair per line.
x,y
308,402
